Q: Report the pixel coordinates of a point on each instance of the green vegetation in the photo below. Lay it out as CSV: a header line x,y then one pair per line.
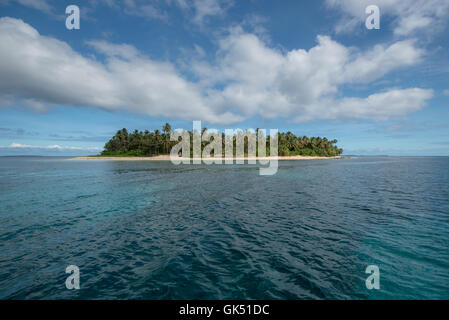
x,y
138,143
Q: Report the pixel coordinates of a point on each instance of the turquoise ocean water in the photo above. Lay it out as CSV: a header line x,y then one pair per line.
x,y
152,230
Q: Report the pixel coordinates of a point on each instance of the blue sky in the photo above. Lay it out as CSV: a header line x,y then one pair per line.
x,y
310,67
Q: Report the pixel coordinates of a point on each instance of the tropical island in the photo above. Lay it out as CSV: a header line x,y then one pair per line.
x,y
157,145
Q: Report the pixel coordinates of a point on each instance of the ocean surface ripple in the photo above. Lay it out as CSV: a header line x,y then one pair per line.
x,y
153,230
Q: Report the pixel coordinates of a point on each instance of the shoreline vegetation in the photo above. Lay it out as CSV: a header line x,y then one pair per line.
x,y
156,146
167,158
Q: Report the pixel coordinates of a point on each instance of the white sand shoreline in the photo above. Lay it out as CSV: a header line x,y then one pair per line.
x,y
167,158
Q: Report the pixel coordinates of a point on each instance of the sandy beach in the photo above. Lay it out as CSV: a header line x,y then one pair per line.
x,y
167,158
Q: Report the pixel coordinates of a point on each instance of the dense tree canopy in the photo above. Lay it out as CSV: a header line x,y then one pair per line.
x,y
154,143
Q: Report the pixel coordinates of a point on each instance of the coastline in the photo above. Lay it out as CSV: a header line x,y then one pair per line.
x,y
167,158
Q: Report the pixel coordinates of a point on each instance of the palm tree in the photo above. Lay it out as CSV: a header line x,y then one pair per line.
x,y
157,140
123,139
166,129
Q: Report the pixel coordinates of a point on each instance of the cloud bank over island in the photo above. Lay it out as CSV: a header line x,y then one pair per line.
x,y
248,78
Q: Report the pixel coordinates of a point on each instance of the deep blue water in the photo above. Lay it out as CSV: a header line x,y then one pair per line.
x,y
152,230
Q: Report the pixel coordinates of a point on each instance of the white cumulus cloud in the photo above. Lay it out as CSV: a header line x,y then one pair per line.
x,y
409,15
248,78
38,68
15,145
304,84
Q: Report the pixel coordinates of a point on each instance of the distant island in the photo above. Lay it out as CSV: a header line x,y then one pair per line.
x,y
157,144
